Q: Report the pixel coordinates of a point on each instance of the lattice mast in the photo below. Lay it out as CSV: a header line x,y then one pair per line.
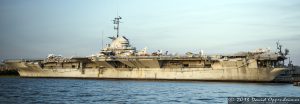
x,y
117,22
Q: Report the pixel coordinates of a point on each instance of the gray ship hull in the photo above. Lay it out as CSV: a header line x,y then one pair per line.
x,y
201,74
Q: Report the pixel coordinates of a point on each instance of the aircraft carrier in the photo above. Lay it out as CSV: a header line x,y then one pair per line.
x,y
119,60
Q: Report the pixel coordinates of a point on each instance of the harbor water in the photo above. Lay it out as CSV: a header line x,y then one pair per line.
x,y
73,91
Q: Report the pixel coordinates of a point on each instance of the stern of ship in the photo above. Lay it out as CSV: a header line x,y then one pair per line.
x,y
275,72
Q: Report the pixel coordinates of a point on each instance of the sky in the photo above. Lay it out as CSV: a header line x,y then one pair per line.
x,y
36,28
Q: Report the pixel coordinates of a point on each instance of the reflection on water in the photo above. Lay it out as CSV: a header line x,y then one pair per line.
x,y
34,90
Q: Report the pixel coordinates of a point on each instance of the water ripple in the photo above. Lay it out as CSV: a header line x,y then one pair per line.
x,y
69,91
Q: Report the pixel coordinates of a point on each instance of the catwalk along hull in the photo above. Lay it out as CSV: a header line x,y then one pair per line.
x,y
204,74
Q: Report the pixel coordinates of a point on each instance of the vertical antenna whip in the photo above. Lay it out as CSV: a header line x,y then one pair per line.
x,y
102,40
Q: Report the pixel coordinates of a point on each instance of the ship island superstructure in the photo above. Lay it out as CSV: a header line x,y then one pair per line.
x,y
119,60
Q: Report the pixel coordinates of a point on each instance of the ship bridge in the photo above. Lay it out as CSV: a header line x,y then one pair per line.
x,y
119,46
120,43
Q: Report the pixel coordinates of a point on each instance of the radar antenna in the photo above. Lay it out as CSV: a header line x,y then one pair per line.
x,y
279,46
117,22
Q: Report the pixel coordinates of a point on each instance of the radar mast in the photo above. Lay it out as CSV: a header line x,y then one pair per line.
x,y
117,22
